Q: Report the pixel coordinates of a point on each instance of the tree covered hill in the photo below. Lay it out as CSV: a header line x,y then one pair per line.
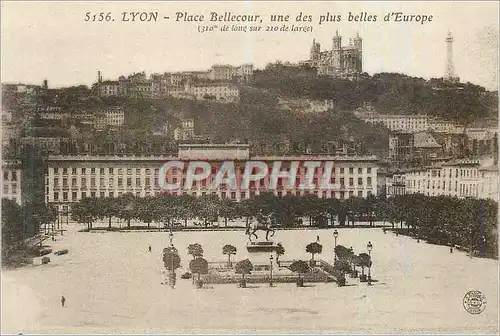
x,y
256,119
391,93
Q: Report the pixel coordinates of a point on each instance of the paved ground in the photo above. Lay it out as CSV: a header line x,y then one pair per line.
x,y
113,284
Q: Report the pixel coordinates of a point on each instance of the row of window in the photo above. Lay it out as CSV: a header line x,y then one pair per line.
x,y
138,182
75,196
464,188
457,172
111,182
137,171
102,171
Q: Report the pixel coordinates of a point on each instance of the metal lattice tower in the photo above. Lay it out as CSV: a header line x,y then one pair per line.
x,y
450,68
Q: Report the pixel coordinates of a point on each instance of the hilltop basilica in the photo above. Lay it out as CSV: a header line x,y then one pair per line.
x,y
340,61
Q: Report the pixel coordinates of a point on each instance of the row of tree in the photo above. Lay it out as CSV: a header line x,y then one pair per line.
x,y
20,223
444,220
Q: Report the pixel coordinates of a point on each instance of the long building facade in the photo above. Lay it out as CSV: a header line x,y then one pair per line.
x,y
71,178
460,179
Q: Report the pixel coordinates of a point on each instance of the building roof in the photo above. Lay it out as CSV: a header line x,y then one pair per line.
x,y
425,140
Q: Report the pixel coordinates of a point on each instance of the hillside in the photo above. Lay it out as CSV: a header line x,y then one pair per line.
x,y
389,92
258,120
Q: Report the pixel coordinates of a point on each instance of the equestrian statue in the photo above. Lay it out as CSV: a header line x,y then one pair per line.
x,y
263,223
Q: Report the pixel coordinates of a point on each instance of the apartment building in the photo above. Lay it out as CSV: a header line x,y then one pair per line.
x,y
229,72
443,126
12,180
465,178
395,184
71,178
401,123
109,88
222,91
111,116
305,105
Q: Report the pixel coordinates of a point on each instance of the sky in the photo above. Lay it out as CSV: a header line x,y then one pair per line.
x,y
52,40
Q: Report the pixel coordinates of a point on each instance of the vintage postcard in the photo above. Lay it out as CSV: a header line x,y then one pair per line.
x,y
249,167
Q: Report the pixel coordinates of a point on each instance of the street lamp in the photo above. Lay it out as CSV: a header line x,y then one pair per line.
x,y
271,270
369,247
335,235
172,274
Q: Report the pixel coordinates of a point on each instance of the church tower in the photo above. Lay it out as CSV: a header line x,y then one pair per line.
x,y
315,51
337,41
358,42
358,45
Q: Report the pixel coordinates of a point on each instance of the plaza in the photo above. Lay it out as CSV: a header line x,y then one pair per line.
x,y
113,284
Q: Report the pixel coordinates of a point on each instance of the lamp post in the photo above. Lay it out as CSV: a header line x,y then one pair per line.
x,y
172,274
335,235
369,247
271,270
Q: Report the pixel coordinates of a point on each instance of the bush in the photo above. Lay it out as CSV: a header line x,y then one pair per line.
x,y
45,260
186,275
199,283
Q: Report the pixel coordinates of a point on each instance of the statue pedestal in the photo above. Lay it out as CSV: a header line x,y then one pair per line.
x,y
260,253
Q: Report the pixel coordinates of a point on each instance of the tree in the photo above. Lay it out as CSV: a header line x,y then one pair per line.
x,y
147,209
243,267
196,250
341,266
300,267
227,210
12,227
333,208
43,214
247,208
85,211
342,252
229,250
206,208
199,266
314,248
171,258
171,261
127,207
363,261
315,209
280,250
108,208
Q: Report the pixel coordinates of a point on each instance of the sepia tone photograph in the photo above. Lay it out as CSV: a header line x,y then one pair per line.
x,y
249,167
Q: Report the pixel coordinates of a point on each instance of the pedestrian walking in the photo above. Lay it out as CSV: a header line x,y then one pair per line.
x,y
317,239
63,301
149,248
